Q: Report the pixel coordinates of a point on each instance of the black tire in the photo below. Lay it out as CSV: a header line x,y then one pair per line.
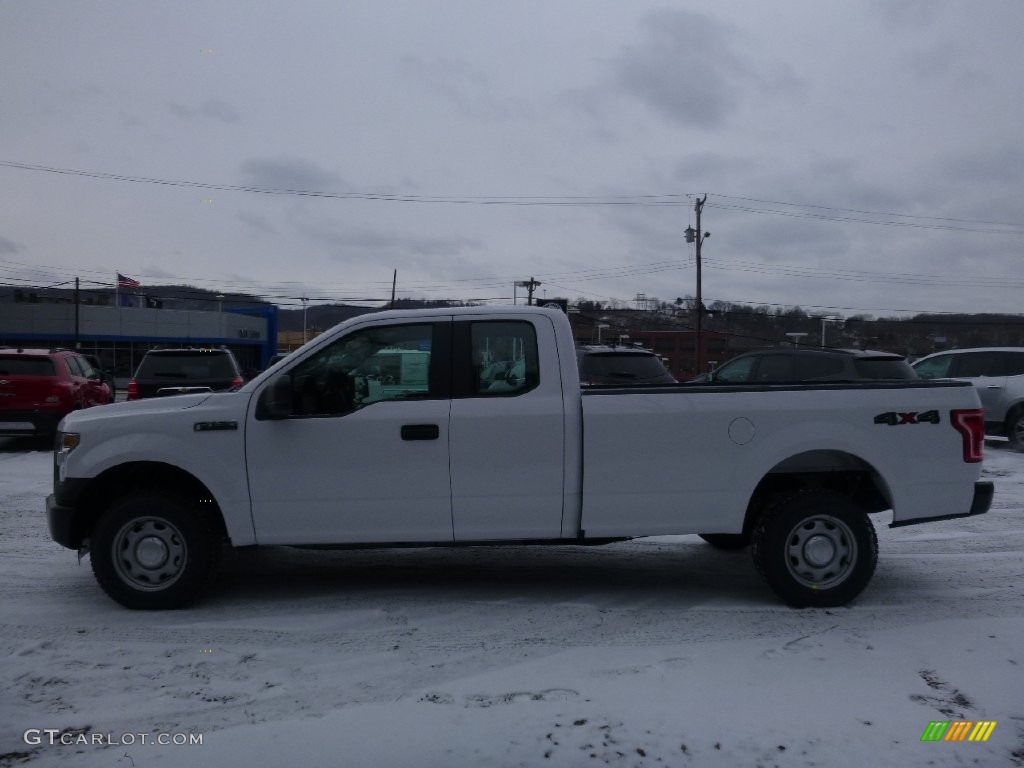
x,y
1015,429
727,540
153,552
815,548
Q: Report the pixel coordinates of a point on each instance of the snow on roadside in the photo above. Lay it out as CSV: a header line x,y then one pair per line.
x,y
649,653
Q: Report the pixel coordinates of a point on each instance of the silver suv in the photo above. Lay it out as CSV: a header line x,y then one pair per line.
x,y
998,375
785,365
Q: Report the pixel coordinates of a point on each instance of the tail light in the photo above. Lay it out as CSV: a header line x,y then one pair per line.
x,y
237,382
133,390
61,393
971,426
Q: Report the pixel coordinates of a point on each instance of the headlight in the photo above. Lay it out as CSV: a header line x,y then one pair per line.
x,y
67,442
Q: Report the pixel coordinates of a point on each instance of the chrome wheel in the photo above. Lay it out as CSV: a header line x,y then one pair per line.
x,y
149,553
821,552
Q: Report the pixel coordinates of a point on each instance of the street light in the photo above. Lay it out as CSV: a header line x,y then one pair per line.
x,y
827,319
303,300
795,338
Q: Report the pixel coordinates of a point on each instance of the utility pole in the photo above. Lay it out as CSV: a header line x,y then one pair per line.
x,y
394,280
695,236
78,304
531,285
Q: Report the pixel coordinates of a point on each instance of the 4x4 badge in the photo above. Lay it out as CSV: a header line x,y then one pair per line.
x,y
894,419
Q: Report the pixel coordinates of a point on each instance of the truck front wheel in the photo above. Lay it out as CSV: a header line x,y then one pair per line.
x,y
154,552
815,548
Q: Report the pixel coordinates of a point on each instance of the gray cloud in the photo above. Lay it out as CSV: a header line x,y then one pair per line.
x,y
212,109
8,246
461,85
257,223
684,68
291,173
906,14
360,245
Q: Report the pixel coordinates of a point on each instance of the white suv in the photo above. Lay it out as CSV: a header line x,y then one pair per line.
x,y
998,375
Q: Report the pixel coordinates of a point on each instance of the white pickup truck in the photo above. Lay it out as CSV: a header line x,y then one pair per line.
x,y
469,426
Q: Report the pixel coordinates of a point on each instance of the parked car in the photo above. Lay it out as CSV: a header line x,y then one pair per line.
x,y
184,371
620,365
998,375
38,387
779,366
105,375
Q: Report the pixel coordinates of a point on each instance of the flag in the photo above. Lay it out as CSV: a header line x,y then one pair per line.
x,y
126,282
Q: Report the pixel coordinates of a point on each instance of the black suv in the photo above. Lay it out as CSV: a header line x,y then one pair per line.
x,y
622,366
776,366
184,371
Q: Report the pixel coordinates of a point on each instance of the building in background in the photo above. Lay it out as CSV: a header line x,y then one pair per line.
x,y
119,336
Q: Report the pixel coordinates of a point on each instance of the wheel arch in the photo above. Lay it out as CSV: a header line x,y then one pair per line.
x,y
1013,411
133,477
832,470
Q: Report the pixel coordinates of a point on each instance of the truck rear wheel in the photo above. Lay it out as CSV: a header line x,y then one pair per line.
x,y
815,548
153,552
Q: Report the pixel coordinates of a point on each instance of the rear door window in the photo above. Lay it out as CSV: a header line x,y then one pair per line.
x,y
883,369
811,367
86,367
974,365
74,367
504,358
775,368
1013,363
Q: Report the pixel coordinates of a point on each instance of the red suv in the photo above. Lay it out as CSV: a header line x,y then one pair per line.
x,y
38,387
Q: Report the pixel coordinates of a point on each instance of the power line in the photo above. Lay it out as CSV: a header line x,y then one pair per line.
x,y
831,213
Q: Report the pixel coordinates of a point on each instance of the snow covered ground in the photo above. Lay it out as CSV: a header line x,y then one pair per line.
x,y
657,652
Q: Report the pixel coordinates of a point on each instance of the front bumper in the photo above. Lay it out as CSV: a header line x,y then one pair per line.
x,y
980,504
29,423
64,513
61,521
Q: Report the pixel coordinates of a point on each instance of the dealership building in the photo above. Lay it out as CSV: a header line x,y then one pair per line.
x,y
120,336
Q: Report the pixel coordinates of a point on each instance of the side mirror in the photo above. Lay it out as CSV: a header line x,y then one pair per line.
x,y
275,400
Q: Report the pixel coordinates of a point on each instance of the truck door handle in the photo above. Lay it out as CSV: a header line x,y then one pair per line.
x,y
994,386
420,432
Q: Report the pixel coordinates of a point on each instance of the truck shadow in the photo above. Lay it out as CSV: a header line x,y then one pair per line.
x,y
639,571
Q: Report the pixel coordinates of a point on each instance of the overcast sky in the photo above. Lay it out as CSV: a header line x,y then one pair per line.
x,y
856,156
